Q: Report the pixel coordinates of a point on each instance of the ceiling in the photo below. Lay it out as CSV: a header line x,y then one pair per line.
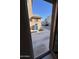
x,y
50,1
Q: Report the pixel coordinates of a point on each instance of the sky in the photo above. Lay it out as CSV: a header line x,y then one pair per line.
x,y
41,8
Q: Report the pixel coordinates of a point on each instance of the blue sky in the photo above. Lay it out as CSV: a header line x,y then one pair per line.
x,y
41,8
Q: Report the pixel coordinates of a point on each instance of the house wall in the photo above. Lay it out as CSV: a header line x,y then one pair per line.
x,y
39,24
32,23
37,21
29,4
48,20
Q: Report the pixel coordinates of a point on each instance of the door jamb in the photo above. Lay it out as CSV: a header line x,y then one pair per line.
x,y
53,26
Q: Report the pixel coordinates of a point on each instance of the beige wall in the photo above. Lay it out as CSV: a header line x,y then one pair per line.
x,y
29,4
32,22
38,23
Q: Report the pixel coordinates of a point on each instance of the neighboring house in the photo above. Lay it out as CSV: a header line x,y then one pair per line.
x,y
47,21
35,21
44,23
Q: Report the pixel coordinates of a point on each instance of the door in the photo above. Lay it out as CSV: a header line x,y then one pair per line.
x,y
26,50
36,27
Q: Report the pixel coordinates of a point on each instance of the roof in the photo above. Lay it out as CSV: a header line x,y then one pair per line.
x,y
36,17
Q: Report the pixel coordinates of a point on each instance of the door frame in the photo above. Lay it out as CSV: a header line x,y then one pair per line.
x,y
26,47
53,27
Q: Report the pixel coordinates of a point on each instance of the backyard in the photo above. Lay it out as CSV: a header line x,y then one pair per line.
x,y
40,41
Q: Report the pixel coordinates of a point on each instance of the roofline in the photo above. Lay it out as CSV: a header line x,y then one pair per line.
x,y
35,17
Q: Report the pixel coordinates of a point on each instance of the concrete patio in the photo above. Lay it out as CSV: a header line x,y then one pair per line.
x,y
40,41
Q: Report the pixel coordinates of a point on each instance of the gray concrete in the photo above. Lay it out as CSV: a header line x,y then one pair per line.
x,y
40,42
48,57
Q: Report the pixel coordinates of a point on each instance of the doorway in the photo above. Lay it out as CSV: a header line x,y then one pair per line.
x,y
41,18
33,40
36,27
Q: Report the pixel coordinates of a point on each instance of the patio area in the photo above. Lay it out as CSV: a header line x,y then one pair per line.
x,y
40,41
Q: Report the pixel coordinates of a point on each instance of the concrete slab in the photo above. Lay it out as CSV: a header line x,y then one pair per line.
x,y
48,57
40,42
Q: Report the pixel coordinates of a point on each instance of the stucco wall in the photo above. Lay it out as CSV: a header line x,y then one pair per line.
x,y
29,4
38,22
32,22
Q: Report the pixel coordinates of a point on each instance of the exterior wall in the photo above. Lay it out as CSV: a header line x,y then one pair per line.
x,y
49,18
47,21
29,4
32,25
33,22
39,24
